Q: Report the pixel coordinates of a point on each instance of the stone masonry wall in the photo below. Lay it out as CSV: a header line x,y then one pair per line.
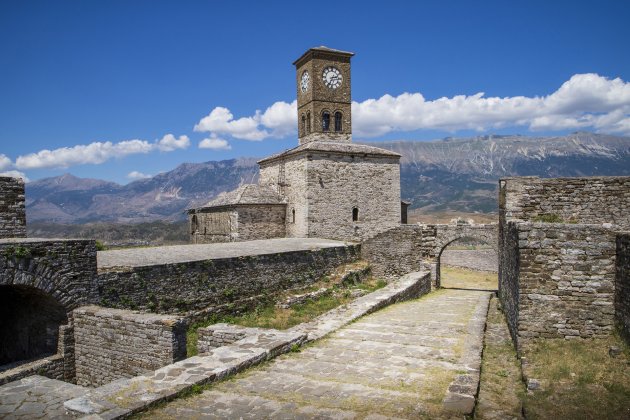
x,y
289,175
12,208
218,284
592,200
509,276
566,281
214,226
397,251
238,223
622,284
338,184
113,343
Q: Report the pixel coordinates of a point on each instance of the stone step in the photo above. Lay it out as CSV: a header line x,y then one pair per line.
x,y
289,387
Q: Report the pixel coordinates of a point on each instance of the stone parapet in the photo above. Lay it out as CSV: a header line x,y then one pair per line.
x,y
12,208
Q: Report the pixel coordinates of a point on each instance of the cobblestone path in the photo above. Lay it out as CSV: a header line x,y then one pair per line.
x,y
412,360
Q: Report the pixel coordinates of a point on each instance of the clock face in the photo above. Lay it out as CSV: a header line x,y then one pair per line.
x,y
332,77
304,81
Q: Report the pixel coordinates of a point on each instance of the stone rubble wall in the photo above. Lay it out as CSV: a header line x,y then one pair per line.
x,y
12,208
222,334
509,270
589,200
622,284
218,285
564,280
111,343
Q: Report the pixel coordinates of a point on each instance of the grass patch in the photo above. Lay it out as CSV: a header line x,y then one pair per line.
x,y
462,278
268,315
580,379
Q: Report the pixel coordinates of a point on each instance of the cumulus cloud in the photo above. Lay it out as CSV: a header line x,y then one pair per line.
x,y
279,120
97,152
169,142
135,175
15,174
215,143
584,101
5,162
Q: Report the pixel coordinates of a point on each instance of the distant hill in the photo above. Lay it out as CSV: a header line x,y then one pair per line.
x,y
448,174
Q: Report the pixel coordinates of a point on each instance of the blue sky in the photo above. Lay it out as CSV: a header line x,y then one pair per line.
x,y
142,75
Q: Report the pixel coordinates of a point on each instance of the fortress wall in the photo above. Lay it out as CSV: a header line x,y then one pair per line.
x,y
397,251
562,277
12,208
113,343
592,200
217,285
622,284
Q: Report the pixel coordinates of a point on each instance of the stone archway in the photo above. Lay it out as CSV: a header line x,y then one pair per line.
x,y
445,235
30,323
41,282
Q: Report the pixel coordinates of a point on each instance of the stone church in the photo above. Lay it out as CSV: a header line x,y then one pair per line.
x,y
326,187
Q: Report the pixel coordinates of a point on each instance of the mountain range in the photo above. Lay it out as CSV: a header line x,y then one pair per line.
x,y
458,174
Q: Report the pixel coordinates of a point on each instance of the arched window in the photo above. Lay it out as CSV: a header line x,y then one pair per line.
x,y
308,122
303,126
355,214
325,121
292,215
337,121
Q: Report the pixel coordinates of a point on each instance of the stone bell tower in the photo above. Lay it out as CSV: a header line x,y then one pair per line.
x,y
323,92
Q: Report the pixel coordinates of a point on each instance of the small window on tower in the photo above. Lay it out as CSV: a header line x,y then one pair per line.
x,y
326,121
303,126
355,214
292,215
338,121
308,123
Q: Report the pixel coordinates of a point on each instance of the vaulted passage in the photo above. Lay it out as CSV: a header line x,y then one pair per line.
x,y
30,321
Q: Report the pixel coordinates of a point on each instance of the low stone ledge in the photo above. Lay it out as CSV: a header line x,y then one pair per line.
x,y
50,366
407,287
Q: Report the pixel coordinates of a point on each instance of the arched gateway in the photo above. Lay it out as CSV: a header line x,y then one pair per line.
x,y
408,248
41,282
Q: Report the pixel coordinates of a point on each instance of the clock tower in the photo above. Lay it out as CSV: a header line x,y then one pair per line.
x,y
323,92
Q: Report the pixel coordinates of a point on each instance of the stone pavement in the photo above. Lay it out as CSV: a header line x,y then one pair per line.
x,y
137,257
36,397
411,360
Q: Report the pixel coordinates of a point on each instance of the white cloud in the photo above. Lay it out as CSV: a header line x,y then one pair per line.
x,y
135,175
214,143
97,152
15,174
584,101
5,162
279,120
169,142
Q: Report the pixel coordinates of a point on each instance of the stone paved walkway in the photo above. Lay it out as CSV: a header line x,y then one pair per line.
x,y
36,397
136,257
411,360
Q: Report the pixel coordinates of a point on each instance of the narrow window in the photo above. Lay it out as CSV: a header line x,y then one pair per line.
x,y
337,121
326,121
303,126
194,225
308,122
355,214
